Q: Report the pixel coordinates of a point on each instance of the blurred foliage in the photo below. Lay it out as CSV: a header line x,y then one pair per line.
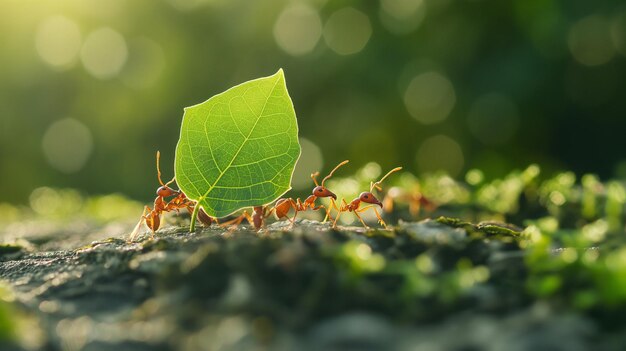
x,y
574,243
7,325
91,89
65,205
18,330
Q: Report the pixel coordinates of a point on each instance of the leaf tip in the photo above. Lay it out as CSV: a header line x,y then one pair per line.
x,y
280,74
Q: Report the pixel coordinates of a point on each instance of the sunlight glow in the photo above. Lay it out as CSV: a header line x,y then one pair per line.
x,y
589,41
402,16
430,97
67,145
58,41
347,31
104,53
298,29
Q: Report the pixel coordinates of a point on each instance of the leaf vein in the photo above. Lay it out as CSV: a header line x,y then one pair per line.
x,y
242,144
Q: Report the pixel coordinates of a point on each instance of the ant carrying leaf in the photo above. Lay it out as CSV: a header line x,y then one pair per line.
x,y
152,216
367,197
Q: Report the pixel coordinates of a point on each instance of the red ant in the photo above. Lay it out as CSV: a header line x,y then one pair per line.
x,y
415,199
367,197
283,206
152,216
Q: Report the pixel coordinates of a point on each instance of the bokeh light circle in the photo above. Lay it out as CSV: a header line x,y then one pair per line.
x,y
440,153
298,29
58,41
67,145
104,53
347,31
401,8
618,33
590,42
402,16
430,97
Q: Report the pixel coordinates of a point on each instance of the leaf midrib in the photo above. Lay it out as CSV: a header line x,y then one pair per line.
x,y
242,144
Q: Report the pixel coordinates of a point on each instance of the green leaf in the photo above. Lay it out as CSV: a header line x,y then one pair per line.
x,y
239,148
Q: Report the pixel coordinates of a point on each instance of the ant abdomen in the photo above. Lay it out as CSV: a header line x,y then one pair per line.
x,y
154,222
282,207
204,217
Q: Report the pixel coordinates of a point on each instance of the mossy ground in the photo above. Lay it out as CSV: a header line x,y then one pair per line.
x,y
555,279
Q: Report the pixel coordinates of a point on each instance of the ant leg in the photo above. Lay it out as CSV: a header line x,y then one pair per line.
x,y
380,219
296,205
332,206
343,208
268,212
361,219
336,219
233,223
293,219
317,208
133,235
248,218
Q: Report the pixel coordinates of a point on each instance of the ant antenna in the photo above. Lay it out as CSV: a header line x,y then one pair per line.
x,y
314,177
377,184
158,158
333,171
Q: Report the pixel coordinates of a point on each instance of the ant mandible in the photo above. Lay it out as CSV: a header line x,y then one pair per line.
x,y
152,216
366,197
282,206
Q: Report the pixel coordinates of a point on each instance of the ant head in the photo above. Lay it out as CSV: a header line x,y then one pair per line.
x,y
320,191
370,198
166,191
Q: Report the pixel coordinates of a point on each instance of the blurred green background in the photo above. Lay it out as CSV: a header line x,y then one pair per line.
x,y
90,89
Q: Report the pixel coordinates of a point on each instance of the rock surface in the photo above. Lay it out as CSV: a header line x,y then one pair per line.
x,y
433,285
